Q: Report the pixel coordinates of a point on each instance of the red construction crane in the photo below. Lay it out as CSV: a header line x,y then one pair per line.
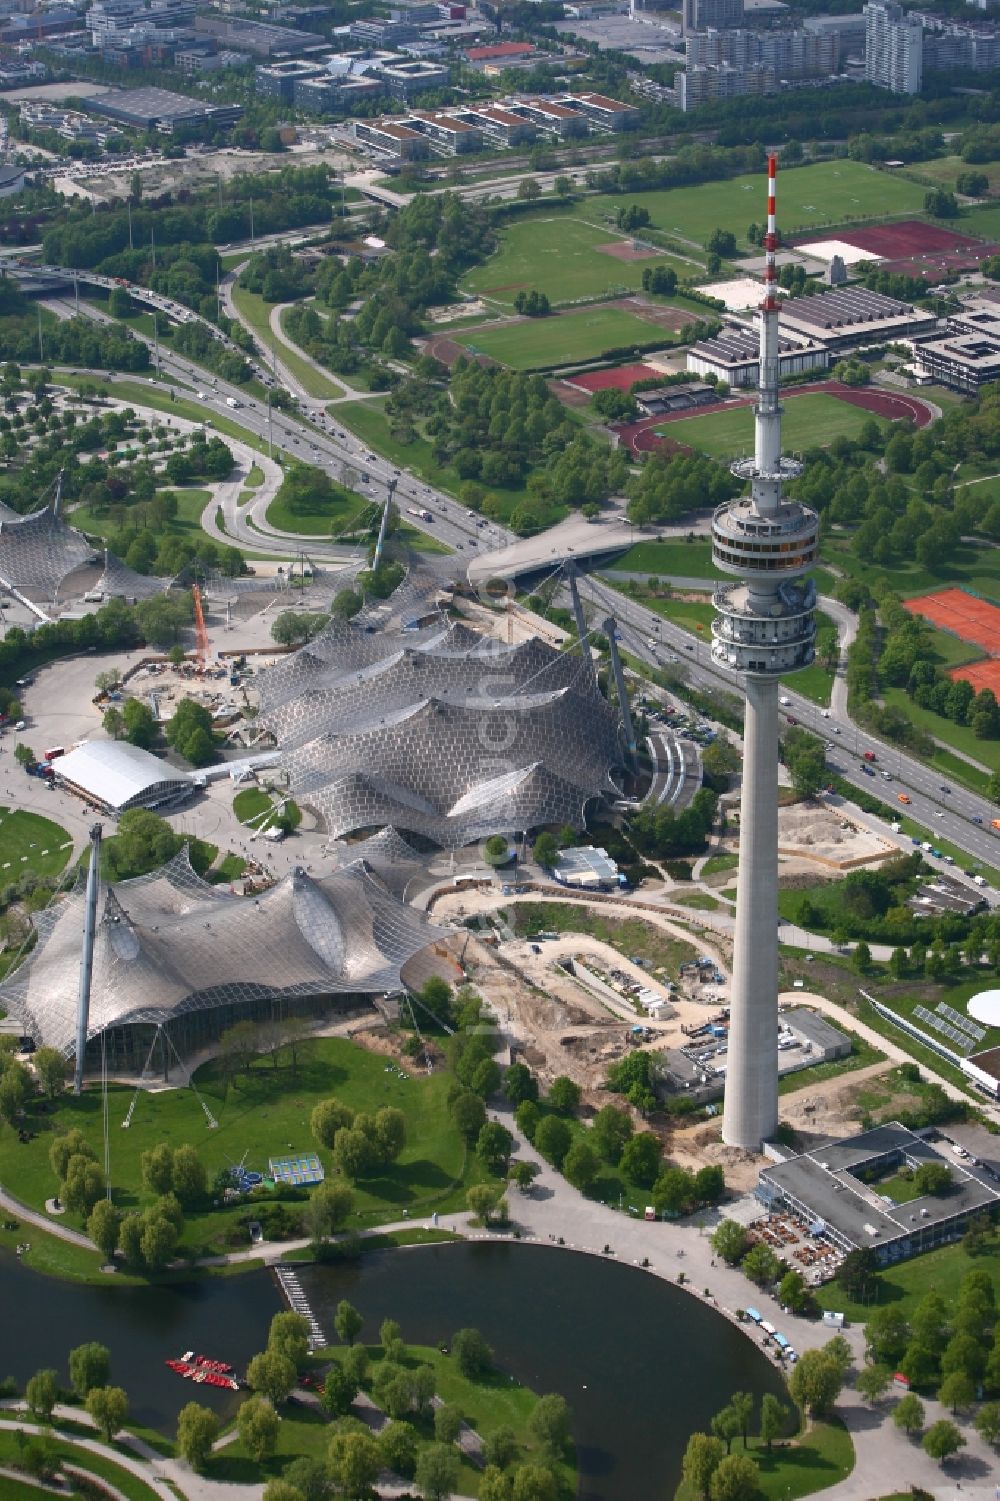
x,y
201,634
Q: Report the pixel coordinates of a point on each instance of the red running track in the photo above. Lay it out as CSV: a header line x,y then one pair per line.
x,y
641,436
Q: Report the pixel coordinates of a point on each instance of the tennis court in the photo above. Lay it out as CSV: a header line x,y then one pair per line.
x,y
962,613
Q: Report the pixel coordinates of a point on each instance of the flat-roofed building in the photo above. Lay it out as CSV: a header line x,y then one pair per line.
x,y
559,119
278,80
838,1190
447,132
846,317
611,114
502,125
405,78
499,52
733,355
401,142
963,361
258,37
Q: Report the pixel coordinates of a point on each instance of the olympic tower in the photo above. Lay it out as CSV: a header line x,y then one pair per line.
x,y
763,629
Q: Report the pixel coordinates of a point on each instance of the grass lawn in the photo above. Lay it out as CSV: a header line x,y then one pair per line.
x,y
976,568
557,254
939,1271
496,1401
811,421
256,314
31,844
629,935
537,343
959,736
671,560
984,221
897,1188
862,1055
259,1116
314,381
814,196
343,512
820,1457
697,899
123,1481
716,864
692,615
816,682
190,505
251,803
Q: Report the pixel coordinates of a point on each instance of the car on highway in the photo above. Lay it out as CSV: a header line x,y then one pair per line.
x,y
836,729
944,788
791,720
976,818
904,797
939,813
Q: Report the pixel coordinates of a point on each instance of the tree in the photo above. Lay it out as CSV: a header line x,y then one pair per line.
x,y
289,1336
549,1423
702,1458
497,850
89,1366
103,1226
398,1449
42,1394
761,1265
581,1164
553,1139
157,1167
500,1446
742,1405
189,1180
339,1390
472,1353
932,1178
611,1131
564,1094
487,1202
469,1113
83,1185
494,1484
158,1239
494,1145
873,1383
447,1424
327,1118
15,1091
773,1416
520,1084
730,1241
258,1425
726,1425
735,1479
816,1381
908,1413
272,1375
886,1335
353,1152
988,1422
857,1275
108,1406
524,1174
942,1440
50,1066
793,1292
534,1482
347,1321
197,1430
957,1390
642,1158
437,1471
545,851
353,1461
330,1207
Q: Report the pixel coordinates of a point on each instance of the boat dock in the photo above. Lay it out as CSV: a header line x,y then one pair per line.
x,y
288,1281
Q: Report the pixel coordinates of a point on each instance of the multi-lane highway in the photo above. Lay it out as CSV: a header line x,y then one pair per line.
x,y
315,435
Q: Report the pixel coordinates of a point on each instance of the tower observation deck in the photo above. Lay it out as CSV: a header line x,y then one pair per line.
x,y
764,628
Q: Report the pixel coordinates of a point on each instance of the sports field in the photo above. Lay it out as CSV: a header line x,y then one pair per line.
x,y
31,844
538,342
560,256
824,193
810,421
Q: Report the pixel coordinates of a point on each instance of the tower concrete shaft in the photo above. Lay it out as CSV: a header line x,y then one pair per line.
x,y
764,628
87,956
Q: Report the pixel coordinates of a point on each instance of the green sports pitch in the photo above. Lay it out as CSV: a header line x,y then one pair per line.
x,y
819,196
559,256
811,421
535,343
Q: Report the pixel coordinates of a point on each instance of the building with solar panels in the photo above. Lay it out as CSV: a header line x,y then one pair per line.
x,y
175,955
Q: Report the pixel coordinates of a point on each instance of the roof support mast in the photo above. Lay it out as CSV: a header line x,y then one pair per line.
x,y
87,956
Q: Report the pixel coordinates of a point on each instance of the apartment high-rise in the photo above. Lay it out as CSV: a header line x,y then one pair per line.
x,y
894,47
699,15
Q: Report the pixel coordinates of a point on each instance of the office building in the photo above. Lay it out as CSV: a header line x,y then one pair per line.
x,y
894,43
699,15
